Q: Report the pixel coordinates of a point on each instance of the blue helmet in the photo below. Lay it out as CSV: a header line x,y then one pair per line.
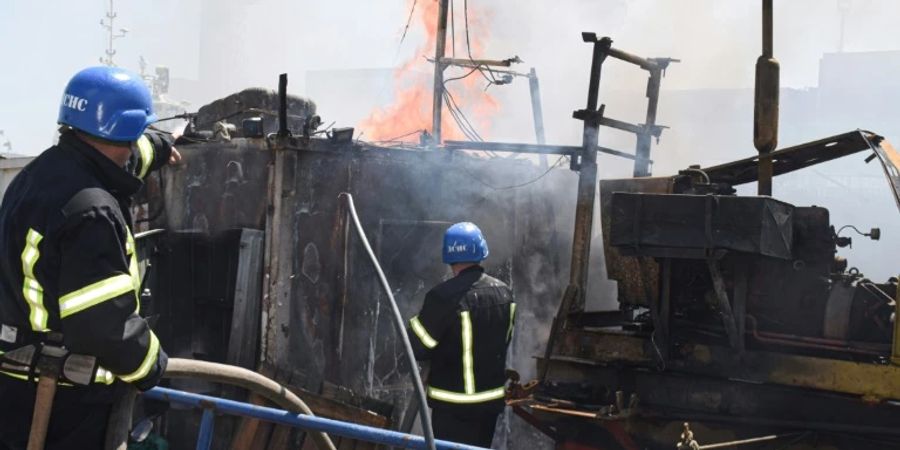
x,y
463,242
107,102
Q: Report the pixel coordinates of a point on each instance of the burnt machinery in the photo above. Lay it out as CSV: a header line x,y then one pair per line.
x,y
734,313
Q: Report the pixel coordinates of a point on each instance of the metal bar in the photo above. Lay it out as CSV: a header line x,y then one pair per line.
x,y
767,26
469,64
438,102
835,345
766,173
621,125
207,424
828,427
586,163
642,151
465,62
587,180
645,63
568,150
741,442
537,111
766,101
282,106
306,422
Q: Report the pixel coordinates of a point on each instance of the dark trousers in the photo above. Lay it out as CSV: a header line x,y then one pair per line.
x,y
77,421
473,427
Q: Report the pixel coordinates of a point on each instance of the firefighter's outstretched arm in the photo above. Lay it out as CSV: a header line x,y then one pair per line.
x,y
429,326
98,301
154,150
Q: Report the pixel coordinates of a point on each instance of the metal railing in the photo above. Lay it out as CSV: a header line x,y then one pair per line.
x,y
215,405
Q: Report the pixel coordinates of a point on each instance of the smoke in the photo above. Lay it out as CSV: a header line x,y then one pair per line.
x,y
346,56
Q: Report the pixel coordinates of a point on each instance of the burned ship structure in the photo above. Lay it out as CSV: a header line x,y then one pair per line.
x,y
734,312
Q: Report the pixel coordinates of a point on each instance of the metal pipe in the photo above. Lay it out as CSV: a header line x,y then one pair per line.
x,y
207,425
642,150
768,337
440,44
478,62
644,63
398,321
765,108
282,106
767,26
755,440
766,422
278,416
537,111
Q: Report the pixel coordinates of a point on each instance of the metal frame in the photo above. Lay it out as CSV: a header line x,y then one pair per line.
x,y
215,405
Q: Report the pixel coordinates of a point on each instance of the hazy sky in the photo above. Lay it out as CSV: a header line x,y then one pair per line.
x,y
45,42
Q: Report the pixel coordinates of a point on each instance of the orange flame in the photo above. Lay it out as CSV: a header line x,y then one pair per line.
x,y
411,110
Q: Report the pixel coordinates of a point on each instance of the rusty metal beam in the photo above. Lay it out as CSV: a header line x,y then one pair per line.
x,y
870,381
465,62
795,158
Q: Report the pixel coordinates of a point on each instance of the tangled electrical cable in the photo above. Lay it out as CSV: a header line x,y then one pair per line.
x,y
515,186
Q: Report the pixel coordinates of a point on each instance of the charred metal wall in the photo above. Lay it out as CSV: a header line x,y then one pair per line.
x,y
324,316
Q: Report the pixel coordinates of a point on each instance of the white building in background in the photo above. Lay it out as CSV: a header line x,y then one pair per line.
x,y
9,168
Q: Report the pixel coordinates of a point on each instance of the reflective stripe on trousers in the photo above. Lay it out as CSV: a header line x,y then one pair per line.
x,y
466,398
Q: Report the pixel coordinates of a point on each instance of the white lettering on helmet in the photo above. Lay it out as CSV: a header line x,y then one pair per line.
x,y
73,102
456,248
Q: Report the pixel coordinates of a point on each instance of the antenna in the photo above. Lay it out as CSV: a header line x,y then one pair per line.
x,y
844,8
109,25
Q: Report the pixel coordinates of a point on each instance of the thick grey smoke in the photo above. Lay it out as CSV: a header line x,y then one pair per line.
x,y
342,54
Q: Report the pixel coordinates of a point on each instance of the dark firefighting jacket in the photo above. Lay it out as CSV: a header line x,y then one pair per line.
x,y
464,329
68,262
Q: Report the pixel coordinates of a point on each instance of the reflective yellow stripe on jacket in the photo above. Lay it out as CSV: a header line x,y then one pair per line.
x,y
94,294
147,363
512,320
31,289
145,148
422,333
468,358
131,253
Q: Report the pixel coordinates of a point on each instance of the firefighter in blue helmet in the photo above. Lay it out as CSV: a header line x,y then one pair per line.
x,y
464,329
69,276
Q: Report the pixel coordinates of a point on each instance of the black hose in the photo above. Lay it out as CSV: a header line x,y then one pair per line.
x,y
398,321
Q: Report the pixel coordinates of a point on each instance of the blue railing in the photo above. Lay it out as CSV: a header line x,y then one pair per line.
x,y
215,405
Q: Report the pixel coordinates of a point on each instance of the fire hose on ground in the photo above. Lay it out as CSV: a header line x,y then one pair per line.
x,y
120,419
